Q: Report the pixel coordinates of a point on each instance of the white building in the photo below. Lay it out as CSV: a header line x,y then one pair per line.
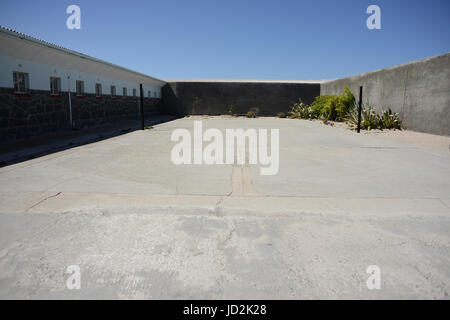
x,y
30,67
40,60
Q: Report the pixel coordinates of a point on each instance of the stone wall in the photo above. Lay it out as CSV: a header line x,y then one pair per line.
x,y
419,91
215,97
38,112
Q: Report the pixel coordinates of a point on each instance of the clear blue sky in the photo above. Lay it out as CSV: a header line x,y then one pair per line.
x,y
246,39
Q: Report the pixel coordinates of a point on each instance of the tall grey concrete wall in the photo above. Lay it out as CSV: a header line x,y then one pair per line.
x,y
419,91
215,97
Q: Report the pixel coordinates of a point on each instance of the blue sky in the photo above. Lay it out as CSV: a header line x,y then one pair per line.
x,y
243,39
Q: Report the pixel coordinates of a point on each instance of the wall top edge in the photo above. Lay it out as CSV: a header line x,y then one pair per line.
x,y
398,66
243,81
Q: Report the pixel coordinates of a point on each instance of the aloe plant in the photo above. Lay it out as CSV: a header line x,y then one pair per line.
x,y
371,120
301,111
390,120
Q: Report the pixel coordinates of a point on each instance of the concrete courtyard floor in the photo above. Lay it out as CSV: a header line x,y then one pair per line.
x,y
139,226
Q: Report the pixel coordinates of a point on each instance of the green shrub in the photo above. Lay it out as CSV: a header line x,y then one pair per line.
x,y
333,108
326,107
343,107
321,106
347,103
281,115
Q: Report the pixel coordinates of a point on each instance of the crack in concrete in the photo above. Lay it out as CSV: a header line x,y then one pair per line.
x,y
444,203
227,239
21,243
216,206
41,201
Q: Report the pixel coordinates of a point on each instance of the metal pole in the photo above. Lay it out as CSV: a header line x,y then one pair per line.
x,y
359,109
142,106
70,101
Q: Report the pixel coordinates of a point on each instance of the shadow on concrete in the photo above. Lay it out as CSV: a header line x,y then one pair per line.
x,y
26,149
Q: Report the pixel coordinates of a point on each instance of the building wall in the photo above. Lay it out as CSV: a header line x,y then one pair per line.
x,y
419,91
38,112
39,78
214,98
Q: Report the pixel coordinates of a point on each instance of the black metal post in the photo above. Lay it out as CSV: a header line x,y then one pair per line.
x,y
359,109
142,106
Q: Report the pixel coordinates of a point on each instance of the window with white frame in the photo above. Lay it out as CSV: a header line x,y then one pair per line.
x,y
134,93
55,85
149,93
20,82
124,91
113,91
80,87
98,89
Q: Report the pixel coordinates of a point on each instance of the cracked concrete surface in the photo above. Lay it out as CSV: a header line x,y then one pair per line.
x,y
140,227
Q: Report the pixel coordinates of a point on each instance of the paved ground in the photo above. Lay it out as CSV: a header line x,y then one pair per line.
x,y
140,227
31,148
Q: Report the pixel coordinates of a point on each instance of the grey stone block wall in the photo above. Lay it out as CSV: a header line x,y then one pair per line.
x,y
214,98
419,91
37,112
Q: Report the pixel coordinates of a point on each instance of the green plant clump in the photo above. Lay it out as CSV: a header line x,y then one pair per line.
x,y
231,109
281,115
333,108
344,108
370,120
327,108
390,120
253,113
300,111
196,101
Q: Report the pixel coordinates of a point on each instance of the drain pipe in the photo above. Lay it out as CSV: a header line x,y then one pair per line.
x,y
70,102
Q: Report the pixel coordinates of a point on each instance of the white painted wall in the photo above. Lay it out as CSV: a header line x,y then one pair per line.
x,y
39,78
